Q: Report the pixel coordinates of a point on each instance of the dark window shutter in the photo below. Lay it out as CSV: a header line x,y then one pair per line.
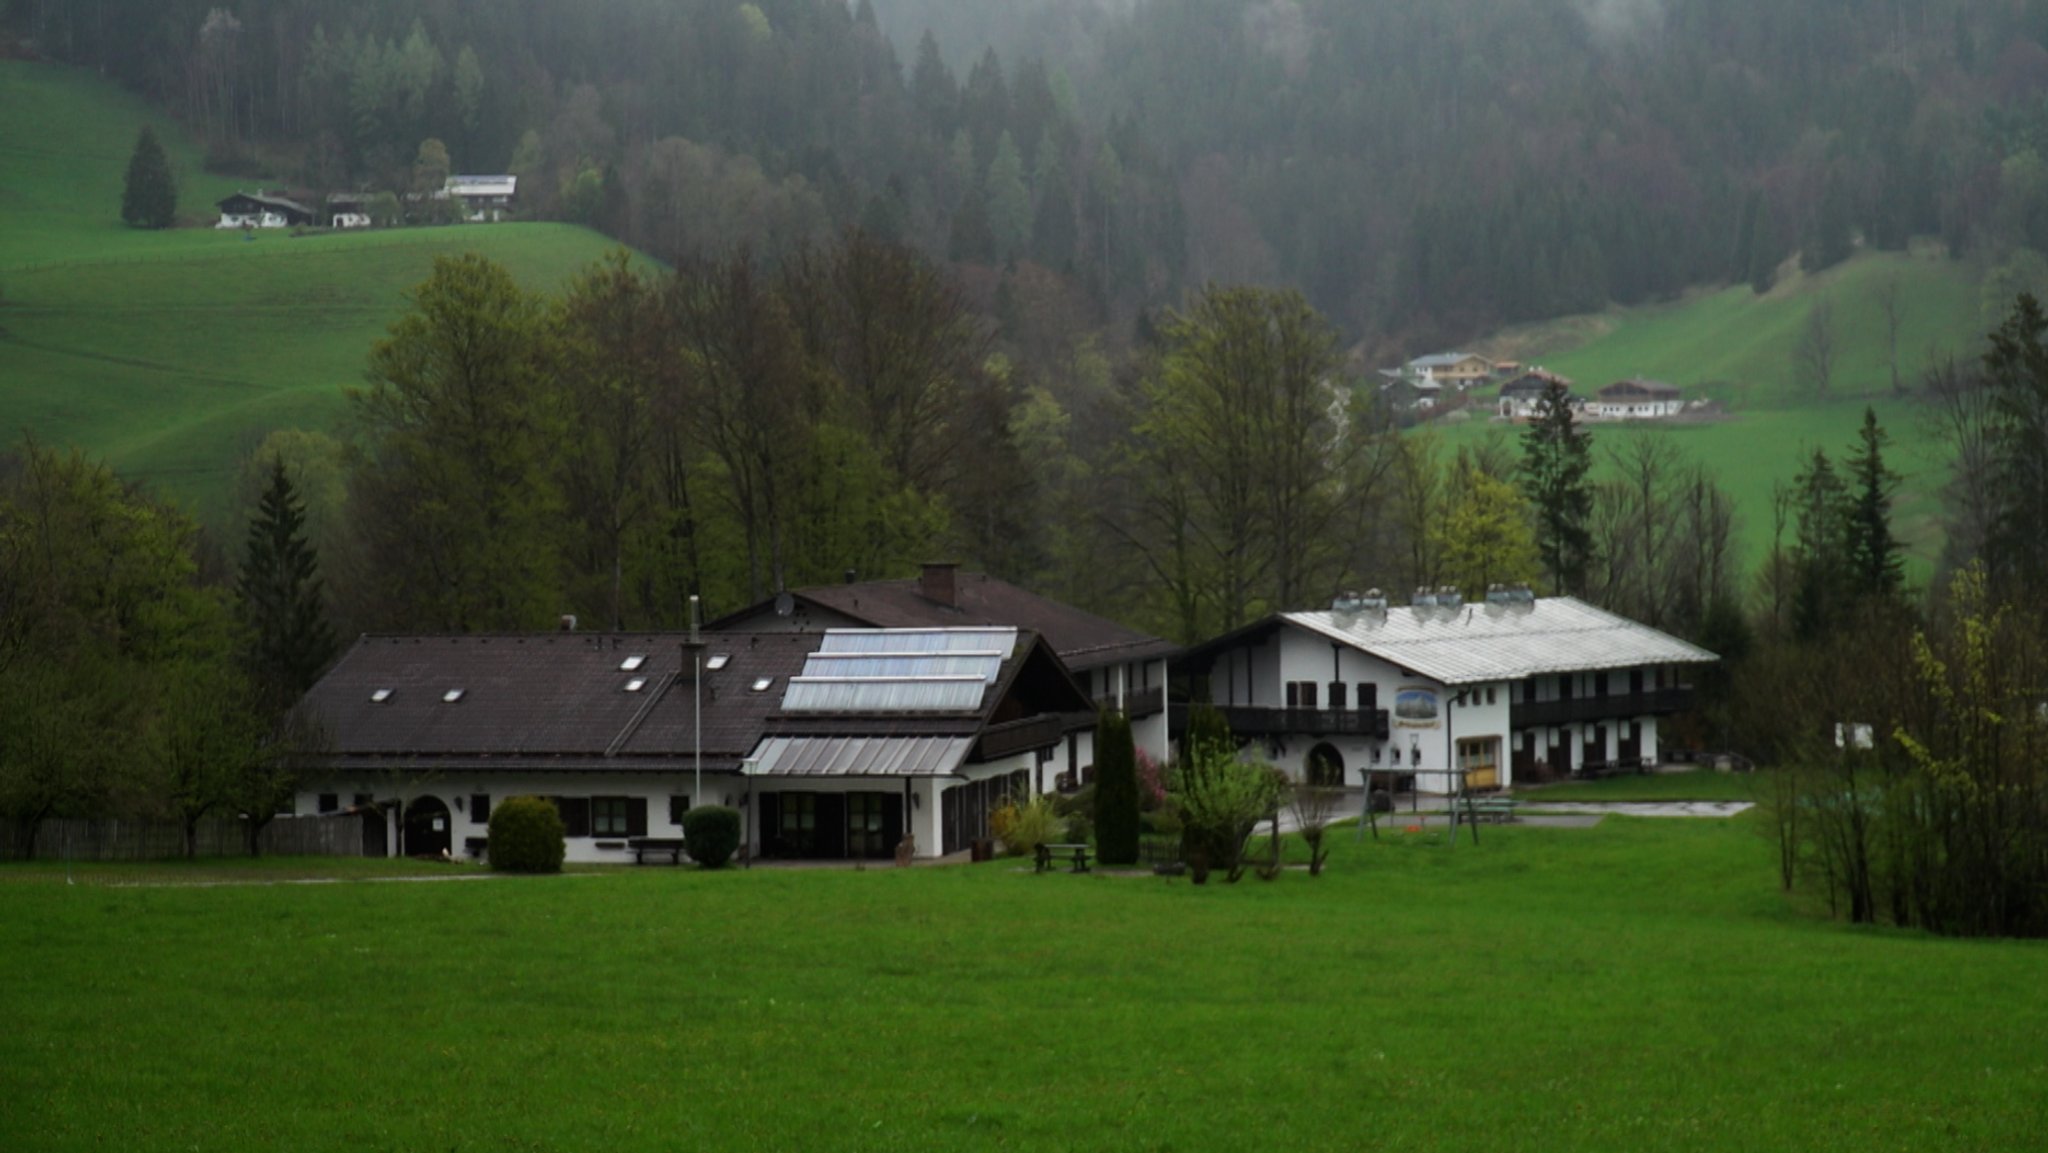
x,y
677,806
1293,694
575,815
1337,694
330,802
636,816
480,808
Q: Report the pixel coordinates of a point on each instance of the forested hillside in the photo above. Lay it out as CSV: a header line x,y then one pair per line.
x,y
1423,172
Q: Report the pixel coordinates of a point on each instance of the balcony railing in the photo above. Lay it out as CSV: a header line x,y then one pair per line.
x,y
1137,702
1620,706
1012,737
1246,721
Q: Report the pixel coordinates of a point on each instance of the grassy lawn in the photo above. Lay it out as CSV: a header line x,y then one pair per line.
x,y
171,354
1699,785
1638,985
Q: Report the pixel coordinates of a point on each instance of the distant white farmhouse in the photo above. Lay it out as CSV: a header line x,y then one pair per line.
x,y
1637,399
1519,397
261,210
348,210
484,198
1419,695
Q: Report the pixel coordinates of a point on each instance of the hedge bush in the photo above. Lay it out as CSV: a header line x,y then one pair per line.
x,y
1024,827
711,835
526,836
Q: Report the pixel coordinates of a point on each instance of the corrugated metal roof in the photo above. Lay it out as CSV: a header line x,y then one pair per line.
x,y
860,756
1490,642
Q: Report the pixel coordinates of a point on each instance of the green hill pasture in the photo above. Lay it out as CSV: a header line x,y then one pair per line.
x,y
1737,348
171,354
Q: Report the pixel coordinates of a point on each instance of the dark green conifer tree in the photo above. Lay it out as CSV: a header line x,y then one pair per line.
x,y
1874,564
1557,457
1116,790
282,594
149,199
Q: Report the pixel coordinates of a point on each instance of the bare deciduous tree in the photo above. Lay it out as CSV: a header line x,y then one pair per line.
x,y
1813,360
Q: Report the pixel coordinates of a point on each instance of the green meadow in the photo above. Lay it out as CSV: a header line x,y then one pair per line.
x,y
172,354
1639,985
1737,348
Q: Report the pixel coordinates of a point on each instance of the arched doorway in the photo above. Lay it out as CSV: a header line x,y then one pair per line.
x,y
428,830
1325,767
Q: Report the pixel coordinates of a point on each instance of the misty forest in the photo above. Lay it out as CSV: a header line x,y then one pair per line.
x,y
1093,295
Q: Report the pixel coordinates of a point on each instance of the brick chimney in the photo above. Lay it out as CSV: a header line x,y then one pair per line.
x,y
938,583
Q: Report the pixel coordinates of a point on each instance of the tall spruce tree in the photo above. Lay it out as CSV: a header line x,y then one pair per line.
x,y
1822,572
1874,565
149,199
282,593
1557,457
1116,790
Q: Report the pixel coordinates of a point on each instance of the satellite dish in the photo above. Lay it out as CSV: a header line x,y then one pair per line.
x,y
785,604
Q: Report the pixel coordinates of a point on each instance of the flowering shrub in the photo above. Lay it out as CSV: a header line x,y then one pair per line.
x,y
1024,827
1151,782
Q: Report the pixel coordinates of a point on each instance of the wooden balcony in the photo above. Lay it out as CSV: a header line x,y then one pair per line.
x,y
1013,737
1618,707
1137,702
1246,721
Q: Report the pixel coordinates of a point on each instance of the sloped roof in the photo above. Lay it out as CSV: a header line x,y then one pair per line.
x,y
1443,359
1082,639
550,695
266,200
483,185
1640,386
861,756
1490,642
567,701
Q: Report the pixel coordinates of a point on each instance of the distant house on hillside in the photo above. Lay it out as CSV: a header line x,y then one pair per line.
x,y
1403,391
1455,369
348,210
261,210
484,198
1519,397
1637,399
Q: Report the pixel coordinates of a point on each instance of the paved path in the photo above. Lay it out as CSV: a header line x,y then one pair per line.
x,y
1432,810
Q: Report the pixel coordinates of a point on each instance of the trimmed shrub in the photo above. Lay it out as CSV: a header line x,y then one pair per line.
x,y
1024,827
526,836
1116,790
711,835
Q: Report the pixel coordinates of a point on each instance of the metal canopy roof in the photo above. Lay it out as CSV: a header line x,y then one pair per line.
x,y
860,756
1490,642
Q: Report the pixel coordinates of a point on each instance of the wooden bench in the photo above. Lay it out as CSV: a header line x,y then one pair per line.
x,y
1077,854
476,846
1499,810
642,846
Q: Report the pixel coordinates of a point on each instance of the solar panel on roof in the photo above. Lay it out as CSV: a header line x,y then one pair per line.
x,y
1002,641
986,665
884,695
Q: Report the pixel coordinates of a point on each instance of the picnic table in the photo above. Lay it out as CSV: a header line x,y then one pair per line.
x,y
1077,854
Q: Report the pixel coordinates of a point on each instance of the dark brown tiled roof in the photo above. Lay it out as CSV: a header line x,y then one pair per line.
x,y
548,695
1082,639
559,700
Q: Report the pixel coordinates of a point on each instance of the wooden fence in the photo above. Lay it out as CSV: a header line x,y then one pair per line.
x,y
115,840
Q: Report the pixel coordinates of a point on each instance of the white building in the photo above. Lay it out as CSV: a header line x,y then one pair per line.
x,y
834,745
1119,667
484,198
1637,399
1413,693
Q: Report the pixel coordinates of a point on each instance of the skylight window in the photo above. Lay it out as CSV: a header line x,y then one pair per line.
x,y
632,663
380,696
636,684
717,661
761,684
452,695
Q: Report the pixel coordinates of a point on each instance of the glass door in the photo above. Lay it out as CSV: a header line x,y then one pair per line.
x,y
865,838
